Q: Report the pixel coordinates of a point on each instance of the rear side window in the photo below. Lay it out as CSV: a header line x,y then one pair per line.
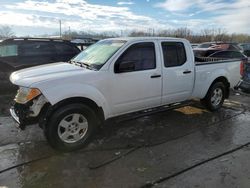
x,y
236,55
174,54
142,54
8,50
36,48
62,48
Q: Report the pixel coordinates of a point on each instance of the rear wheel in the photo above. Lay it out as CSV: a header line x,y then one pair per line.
x,y
215,96
71,127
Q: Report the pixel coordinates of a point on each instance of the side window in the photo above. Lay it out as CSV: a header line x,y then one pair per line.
x,y
65,49
8,50
137,57
174,54
36,48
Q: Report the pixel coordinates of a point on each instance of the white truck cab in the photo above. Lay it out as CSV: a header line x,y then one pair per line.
x,y
114,77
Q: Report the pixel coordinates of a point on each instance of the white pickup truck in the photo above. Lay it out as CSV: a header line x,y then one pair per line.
x,y
114,77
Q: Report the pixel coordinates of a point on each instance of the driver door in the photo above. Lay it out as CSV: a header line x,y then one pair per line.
x,y
136,79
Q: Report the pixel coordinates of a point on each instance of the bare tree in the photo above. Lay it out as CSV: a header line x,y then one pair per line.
x,y
240,37
220,35
183,32
6,32
136,33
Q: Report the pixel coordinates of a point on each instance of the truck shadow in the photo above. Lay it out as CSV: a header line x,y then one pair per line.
x,y
159,127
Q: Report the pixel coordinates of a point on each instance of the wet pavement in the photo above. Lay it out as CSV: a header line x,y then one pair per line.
x,y
184,147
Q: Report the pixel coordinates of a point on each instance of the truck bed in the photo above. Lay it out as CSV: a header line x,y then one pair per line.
x,y
208,69
212,60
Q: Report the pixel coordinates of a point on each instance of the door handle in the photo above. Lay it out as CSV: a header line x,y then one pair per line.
x,y
155,76
187,72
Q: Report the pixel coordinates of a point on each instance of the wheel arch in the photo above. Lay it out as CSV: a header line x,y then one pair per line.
x,y
49,109
81,100
225,81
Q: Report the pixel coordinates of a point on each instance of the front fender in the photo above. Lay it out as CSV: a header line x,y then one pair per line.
x,y
58,93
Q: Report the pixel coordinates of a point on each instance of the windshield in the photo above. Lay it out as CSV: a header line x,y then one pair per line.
x,y
245,46
99,53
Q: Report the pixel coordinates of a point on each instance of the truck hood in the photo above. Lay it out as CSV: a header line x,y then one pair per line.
x,y
29,76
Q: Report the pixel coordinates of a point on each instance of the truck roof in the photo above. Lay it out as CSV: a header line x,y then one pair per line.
x,y
146,38
34,39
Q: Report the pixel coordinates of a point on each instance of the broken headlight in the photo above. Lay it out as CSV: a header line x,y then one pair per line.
x,y
26,94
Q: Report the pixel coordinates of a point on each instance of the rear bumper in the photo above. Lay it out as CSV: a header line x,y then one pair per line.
x,y
244,86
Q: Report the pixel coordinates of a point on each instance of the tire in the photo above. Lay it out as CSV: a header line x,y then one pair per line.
x,y
71,127
215,96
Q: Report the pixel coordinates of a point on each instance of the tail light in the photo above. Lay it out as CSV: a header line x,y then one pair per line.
x,y
242,68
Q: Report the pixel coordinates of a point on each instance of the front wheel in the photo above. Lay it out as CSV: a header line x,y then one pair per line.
x,y
70,127
215,96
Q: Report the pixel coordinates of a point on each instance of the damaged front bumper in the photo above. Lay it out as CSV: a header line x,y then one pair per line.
x,y
14,115
19,113
28,113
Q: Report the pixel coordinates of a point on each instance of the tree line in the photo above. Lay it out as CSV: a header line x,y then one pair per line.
x,y
205,35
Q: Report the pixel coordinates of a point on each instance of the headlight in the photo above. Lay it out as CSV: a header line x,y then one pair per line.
x,y
26,94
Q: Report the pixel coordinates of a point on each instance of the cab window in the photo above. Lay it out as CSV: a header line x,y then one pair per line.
x,y
174,54
137,57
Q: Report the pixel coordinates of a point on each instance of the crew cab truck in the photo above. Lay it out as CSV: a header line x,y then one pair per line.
x,y
113,77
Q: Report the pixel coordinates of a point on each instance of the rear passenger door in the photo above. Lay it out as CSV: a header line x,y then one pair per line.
x,y
178,72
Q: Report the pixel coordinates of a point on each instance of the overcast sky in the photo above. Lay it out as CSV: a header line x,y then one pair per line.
x,y
32,17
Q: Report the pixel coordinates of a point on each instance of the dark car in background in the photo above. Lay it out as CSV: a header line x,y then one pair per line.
x,y
194,45
246,48
207,44
19,53
83,43
228,54
26,52
208,48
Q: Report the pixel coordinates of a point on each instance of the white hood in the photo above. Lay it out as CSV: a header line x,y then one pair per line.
x,y
26,77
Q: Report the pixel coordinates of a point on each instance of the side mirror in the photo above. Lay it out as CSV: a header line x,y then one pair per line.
x,y
125,66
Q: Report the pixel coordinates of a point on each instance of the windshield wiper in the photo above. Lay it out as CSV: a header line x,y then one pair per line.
x,y
82,64
86,65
